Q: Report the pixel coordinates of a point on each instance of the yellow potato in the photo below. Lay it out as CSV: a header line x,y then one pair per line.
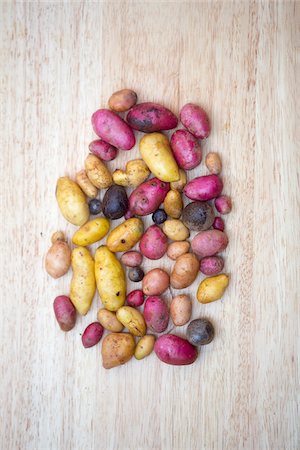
x,y
88,188
173,204
97,172
136,172
110,279
133,320
179,184
109,321
72,201
83,284
91,232
157,154
117,349
175,230
144,346
212,288
125,235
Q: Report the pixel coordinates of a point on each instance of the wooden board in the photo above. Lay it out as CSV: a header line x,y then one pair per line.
x,y
59,63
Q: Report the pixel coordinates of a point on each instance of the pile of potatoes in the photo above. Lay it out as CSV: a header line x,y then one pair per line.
x,y
159,177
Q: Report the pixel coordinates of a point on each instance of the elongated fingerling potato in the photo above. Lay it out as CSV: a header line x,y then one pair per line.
x,y
125,236
91,232
71,201
83,285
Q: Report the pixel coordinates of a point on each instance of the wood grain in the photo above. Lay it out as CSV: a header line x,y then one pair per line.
x,y
59,63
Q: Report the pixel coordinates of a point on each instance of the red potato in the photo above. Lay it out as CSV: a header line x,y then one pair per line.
x,y
122,100
65,312
128,215
208,243
147,197
186,149
223,204
174,350
156,314
211,265
92,334
112,129
103,150
219,224
132,259
195,119
204,188
154,243
135,298
155,282
149,117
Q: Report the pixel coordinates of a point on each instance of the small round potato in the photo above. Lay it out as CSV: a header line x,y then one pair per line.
x,y
117,349
109,321
155,282
177,249
175,230
122,100
173,204
181,309
144,346
213,163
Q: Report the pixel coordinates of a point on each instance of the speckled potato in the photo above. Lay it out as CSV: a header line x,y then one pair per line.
x,y
185,271
179,184
83,181
181,309
125,235
177,249
83,285
117,349
157,154
91,232
133,320
212,288
110,279
173,204
109,321
135,173
175,230
144,347
97,172
71,201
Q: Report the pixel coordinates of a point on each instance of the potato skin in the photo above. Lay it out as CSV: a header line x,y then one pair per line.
x,y
103,150
144,347
209,242
156,152
156,314
109,321
83,181
155,282
115,202
211,265
204,188
173,204
72,201
92,334
91,232
135,298
112,129
83,284
175,230
117,349
181,309
122,100
213,163
212,288
132,259
135,173
125,235
154,242
186,149
110,279
179,184
177,249
174,350
195,120
133,320
198,216
147,197
97,172
185,271
149,117
58,259
65,312
223,204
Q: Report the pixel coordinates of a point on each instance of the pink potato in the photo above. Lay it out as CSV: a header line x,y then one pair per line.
x,y
218,224
156,314
103,150
132,258
147,197
211,265
186,149
135,298
148,117
223,204
155,282
195,120
174,350
112,129
65,312
92,334
154,243
208,243
204,188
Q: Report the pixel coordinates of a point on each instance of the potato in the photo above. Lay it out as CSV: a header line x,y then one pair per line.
x,y
204,188
115,203
179,185
109,321
58,257
209,242
211,265
213,163
71,201
83,181
223,204
147,197
135,298
195,120
113,129
212,288
198,216
65,312
92,334
83,283
117,349
97,172
177,249
91,232
103,150
186,149
144,346
136,172
200,332
219,224
173,204
132,319
156,152
185,271
122,100
181,309
149,117
174,350
132,259
125,235
156,314
154,243
155,282
175,230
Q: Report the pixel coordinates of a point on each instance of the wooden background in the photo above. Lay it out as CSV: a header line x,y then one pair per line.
x,y
59,63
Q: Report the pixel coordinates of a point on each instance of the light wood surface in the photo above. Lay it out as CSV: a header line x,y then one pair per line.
x,y
59,63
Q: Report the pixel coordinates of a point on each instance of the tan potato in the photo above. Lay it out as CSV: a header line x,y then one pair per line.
x,y
179,184
72,201
212,288
181,309
58,257
122,100
109,320
213,163
185,271
144,346
175,230
117,349
97,172
136,173
83,284
83,181
132,319
125,236
173,204
176,249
